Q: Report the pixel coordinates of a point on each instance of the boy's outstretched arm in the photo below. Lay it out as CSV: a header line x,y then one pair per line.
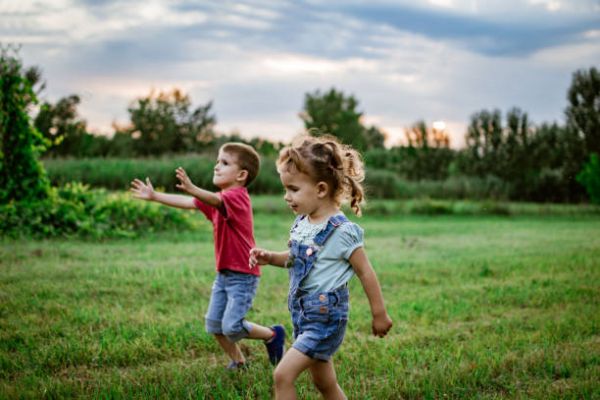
x,y
145,191
263,257
382,322
205,196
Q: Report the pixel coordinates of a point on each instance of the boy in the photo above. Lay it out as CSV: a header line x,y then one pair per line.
x,y
230,212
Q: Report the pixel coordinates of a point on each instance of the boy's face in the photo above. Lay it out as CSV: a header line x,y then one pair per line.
x,y
227,172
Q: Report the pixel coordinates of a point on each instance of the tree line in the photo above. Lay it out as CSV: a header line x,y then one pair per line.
x,y
536,162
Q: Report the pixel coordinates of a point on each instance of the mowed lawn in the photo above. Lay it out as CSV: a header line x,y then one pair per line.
x,y
483,307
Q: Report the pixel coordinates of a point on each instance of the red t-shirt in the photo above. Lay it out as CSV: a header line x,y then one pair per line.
x,y
232,230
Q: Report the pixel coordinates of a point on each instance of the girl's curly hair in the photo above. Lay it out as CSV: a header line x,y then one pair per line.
x,y
327,160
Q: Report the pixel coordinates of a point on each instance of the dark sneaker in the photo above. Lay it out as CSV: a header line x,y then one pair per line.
x,y
236,366
275,345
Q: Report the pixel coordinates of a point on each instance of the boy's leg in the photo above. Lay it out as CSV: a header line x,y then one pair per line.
x,y
232,349
214,318
259,332
323,375
284,376
241,289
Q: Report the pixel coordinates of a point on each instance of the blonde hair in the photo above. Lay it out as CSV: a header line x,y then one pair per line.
x,y
327,160
247,158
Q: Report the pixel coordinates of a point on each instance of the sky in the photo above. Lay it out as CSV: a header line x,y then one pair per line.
x,y
404,61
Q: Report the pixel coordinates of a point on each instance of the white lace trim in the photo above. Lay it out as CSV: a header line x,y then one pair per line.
x,y
305,232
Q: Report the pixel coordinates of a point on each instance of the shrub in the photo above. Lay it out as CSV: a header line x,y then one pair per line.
x,y
589,177
75,210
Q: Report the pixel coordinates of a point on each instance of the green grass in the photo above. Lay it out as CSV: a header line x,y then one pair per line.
x,y
483,307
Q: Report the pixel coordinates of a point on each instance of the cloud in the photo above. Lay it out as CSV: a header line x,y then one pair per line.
x,y
403,61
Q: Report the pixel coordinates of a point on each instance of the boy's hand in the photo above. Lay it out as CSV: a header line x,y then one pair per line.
x,y
141,190
259,257
185,183
381,325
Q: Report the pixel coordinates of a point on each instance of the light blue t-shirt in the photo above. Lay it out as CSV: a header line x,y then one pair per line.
x,y
331,269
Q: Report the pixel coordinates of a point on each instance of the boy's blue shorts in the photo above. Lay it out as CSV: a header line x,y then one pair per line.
x,y
230,300
320,321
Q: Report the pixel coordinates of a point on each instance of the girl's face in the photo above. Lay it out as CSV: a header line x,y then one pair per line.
x,y
302,194
227,172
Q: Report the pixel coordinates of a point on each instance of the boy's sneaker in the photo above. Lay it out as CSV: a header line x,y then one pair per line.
x,y
236,366
275,344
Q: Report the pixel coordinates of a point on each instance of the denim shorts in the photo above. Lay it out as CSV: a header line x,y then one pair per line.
x,y
320,321
230,300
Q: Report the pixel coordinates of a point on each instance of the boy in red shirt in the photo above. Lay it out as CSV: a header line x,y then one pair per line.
x,y
230,212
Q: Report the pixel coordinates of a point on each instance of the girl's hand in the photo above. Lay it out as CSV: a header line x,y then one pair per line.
x,y
259,257
185,183
141,190
381,325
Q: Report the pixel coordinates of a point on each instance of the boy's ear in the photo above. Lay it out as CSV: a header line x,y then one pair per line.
x,y
242,175
322,190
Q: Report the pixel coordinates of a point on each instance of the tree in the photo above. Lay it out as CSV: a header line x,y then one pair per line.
x,y
22,176
164,122
61,125
583,111
336,114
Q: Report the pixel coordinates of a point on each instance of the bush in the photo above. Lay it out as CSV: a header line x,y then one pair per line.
x,y
75,210
589,177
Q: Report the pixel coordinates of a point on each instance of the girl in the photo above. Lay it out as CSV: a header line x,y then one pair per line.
x,y
325,251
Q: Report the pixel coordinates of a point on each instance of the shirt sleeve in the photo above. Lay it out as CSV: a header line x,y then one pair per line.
x,y
207,210
351,238
235,203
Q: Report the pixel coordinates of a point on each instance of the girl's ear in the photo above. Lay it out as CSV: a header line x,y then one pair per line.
x,y
322,190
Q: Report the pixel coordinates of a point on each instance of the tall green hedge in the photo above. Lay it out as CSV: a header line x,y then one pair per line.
x,y
22,176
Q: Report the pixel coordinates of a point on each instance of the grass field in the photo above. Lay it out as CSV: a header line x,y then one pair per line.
x,y
483,307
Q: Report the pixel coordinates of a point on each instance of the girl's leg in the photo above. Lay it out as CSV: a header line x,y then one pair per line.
x,y
323,375
288,369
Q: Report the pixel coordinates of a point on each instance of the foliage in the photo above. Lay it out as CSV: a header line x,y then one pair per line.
x,y
583,111
62,127
589,177
22,177
413,163
117,173
336,114
75,210
165,123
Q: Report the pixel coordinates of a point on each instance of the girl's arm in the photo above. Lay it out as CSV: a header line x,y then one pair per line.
x,y
145,191
382,322
263,257
205,196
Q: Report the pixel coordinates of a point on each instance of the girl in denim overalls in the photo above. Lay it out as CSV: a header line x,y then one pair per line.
x,y
324,251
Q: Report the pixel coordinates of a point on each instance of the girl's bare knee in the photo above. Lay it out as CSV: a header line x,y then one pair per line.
x,y
280,378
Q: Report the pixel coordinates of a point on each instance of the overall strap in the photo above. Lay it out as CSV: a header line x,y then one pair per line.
x,y
332,224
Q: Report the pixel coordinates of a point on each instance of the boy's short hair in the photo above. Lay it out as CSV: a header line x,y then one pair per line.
x,y
247,158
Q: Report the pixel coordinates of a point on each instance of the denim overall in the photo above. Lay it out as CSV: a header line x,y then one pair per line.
x,y
320,318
